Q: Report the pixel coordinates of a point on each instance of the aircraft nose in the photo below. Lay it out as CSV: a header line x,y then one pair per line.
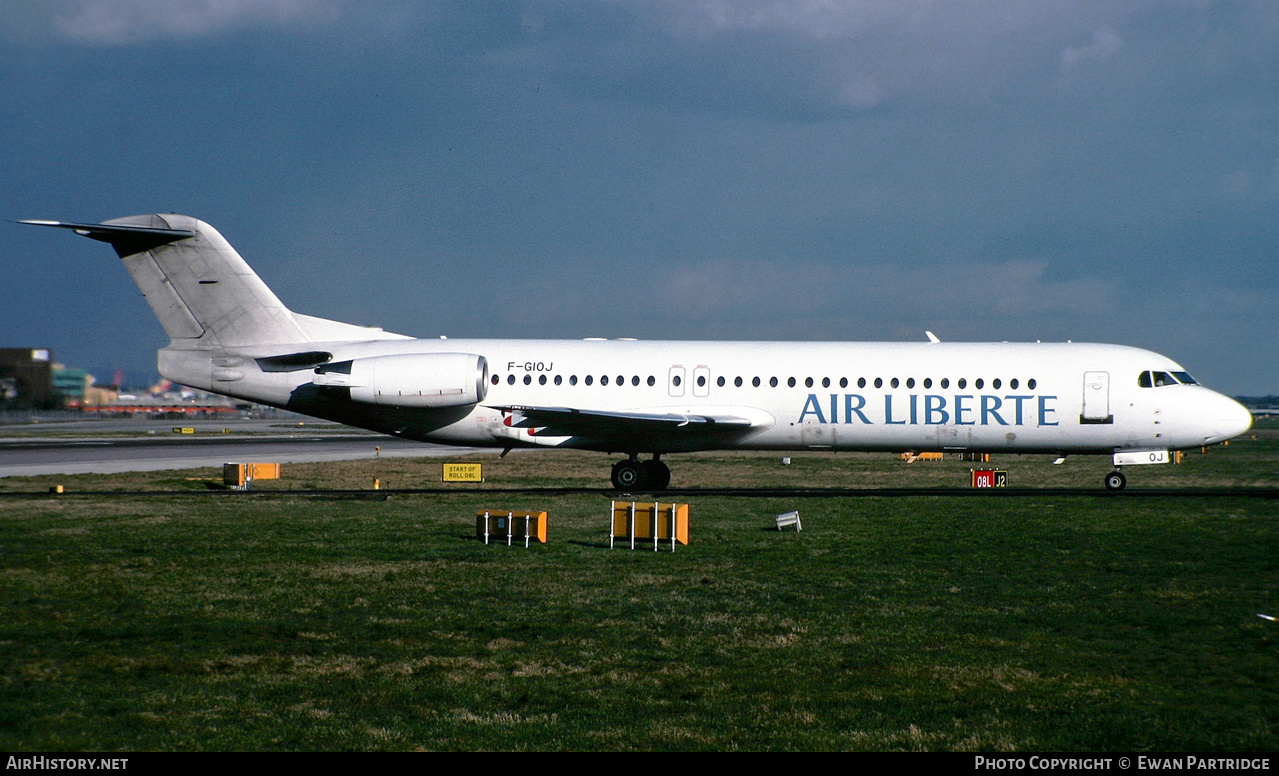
x,y
1233,419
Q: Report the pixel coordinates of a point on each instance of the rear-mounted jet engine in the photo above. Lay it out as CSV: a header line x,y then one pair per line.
x,y
410,380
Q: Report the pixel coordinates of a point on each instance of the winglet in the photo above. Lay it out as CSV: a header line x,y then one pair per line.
x,y
932,337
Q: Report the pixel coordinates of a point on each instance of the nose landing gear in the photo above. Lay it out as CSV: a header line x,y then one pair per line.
x,y
634,474
1116,481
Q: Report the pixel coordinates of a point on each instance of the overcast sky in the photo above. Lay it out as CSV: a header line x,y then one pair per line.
x,y
695,169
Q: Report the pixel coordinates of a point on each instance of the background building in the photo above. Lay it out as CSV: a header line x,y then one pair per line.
x,y
71,385
26,378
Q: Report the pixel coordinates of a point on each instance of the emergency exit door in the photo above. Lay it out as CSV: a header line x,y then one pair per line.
x,y
675,381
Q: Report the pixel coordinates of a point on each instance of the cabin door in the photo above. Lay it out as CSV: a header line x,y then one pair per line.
x,y
1096,398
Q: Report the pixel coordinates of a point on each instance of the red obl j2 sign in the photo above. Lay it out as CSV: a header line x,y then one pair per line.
x,y
989,478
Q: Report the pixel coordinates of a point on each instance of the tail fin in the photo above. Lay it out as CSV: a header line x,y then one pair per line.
x,y
204,294
201,290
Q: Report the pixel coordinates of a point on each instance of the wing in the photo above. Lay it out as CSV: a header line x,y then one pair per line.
x,y
638,431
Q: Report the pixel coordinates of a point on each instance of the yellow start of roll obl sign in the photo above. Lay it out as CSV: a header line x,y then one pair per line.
x,y
463,472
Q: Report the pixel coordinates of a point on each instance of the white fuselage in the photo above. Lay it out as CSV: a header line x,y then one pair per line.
x,y
990,397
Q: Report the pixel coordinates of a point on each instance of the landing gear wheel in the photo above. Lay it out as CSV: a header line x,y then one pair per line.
x,y
629,474
1115,481
659,474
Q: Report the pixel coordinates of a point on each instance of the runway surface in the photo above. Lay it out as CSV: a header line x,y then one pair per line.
x,y
106,447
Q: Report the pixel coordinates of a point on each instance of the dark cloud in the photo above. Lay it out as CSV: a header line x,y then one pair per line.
x,y
997,170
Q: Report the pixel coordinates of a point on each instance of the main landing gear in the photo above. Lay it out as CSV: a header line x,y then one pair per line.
x,y
1115,481
634,474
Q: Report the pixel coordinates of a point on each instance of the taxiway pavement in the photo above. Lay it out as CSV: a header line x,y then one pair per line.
x,y
105,447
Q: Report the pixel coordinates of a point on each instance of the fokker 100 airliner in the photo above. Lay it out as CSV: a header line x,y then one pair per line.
x,y
231,335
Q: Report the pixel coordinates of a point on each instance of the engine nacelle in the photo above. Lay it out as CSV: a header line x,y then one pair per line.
x,y
410,380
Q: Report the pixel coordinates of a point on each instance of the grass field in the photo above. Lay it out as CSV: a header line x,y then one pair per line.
x,y
281,621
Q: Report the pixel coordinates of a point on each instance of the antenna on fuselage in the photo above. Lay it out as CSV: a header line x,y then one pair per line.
x,y
932,337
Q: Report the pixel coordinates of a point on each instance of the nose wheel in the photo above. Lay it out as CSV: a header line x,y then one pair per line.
x,y
634,474
1115,481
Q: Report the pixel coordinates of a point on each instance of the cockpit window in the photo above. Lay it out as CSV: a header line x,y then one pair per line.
x,y
1184,378
1160,379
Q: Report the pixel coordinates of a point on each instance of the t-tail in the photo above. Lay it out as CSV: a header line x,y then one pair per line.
x,y
212,305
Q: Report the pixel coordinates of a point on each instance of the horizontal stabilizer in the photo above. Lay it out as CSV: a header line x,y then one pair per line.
x,y
125,238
